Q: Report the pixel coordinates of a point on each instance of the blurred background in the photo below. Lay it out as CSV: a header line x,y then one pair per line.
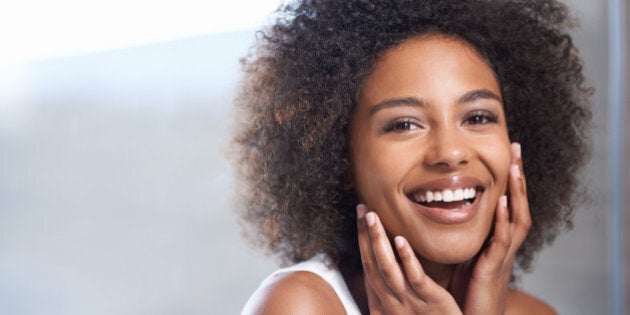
x,y
115,190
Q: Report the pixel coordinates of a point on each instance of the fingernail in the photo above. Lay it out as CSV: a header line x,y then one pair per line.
x,y
503,201
399,242
516,171
516,148
361,209
370,218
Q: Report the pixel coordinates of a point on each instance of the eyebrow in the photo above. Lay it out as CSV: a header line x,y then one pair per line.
x,y
405,101
413,101
479,94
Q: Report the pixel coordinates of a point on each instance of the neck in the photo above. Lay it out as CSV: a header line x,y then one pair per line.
x,y
439,273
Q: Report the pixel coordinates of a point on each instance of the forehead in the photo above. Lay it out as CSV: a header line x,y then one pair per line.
x,y
426,63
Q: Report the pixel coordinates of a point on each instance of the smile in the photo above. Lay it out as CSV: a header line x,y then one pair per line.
x,y
450,200
447,199
446,195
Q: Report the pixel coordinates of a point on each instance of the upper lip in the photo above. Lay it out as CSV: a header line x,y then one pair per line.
x,y
452,182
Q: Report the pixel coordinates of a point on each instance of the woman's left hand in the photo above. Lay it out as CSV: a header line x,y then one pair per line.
x,y
480,285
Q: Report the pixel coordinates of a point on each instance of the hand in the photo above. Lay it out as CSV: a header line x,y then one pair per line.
x,y
390,288
480,285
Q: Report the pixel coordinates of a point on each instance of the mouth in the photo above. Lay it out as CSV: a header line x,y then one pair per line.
x,y
449,199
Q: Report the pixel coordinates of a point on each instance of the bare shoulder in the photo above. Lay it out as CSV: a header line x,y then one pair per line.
x,y
519,302
299,292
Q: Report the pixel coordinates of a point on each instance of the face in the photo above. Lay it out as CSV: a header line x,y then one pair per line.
x,y
429,146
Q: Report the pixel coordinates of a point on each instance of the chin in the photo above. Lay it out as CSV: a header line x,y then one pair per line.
x,y
451,249
451,258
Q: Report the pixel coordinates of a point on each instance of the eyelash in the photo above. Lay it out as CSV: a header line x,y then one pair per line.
x,y
485,117
475,118
401,125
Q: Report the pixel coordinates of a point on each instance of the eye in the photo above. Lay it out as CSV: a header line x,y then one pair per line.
x,y
401,125
481,118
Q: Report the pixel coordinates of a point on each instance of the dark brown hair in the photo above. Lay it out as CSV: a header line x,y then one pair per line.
x,y
300,87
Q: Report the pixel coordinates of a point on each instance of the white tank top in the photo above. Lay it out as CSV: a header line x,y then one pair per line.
x,y
320,265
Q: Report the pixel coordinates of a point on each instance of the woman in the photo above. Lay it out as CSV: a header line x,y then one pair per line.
x,y
381,151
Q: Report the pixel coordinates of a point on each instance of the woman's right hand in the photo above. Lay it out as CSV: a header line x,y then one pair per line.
x,y
392,288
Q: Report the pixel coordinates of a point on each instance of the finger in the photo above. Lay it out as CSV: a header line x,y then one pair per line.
x,y
519,206
374,303
370,266
502,236
497,251
381,247
424,287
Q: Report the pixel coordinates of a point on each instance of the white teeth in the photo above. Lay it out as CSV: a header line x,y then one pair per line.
x,y
469,193
459,194
446,195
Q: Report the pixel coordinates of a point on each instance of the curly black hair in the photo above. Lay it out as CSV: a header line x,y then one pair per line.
x,y
300,87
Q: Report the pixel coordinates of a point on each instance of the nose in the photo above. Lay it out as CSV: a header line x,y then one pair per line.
x,y
448,150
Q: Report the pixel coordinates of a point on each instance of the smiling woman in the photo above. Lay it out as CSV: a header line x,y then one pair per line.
x,y
455,139
381,151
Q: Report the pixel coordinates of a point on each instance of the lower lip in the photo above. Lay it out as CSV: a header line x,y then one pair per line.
x,y
449,216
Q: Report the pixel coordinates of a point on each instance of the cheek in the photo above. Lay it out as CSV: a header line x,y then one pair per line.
x,y
499,161
370,176
377,170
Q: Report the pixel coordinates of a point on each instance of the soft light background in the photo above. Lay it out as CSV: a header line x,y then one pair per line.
x,y
114,186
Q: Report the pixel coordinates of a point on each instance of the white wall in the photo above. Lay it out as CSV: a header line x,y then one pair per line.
x,y
114,194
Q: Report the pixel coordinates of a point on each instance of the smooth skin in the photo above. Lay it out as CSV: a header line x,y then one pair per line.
x,y
429,115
